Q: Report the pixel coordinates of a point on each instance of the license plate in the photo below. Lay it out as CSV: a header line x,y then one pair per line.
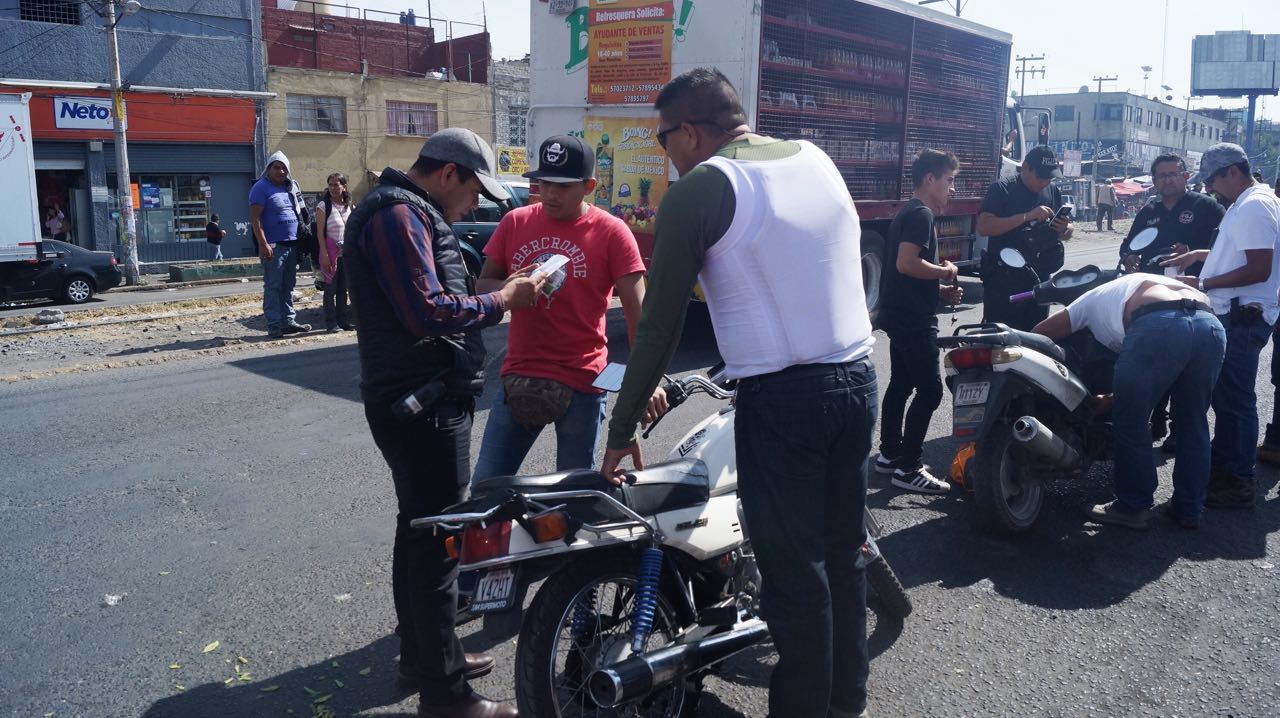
x,y
972,393
495,591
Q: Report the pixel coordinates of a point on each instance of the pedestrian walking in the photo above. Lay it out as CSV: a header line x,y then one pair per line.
x,y
331,224
750,215
418,325
1169,343
910,291
214,234
1241,275
1104,196
556,348
275,211
1019,212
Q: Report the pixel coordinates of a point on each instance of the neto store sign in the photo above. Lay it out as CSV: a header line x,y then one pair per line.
x,y
82,113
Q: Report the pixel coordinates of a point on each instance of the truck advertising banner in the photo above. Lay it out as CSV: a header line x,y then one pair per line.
x,y
628,50
631,172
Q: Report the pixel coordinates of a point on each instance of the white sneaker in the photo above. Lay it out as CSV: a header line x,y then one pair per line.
x,y
920,481
884,465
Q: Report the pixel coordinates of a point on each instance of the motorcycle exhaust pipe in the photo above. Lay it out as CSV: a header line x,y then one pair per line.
x,y
641,674
1044,444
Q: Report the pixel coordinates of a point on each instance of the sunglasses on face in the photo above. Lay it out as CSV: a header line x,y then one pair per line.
x,y
662,134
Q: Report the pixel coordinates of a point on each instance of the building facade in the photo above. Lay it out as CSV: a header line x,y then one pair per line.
x,y
1126,131
511,106
360,92
194,117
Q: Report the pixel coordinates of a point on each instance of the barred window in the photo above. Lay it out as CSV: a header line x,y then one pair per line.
x,y
411,119
59,11
517,117
311,113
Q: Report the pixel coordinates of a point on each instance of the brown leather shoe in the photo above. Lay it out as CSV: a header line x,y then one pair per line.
x,y
473,706
478,665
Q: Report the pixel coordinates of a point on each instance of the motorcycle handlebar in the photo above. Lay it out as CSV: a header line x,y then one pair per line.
x,y
1022,297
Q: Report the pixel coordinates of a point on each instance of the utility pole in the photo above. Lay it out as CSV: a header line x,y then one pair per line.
x,y
124,191
948,2
1097,111
1022,72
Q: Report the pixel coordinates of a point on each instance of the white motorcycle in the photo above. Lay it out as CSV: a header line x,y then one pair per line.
x,y
648,585
1023,399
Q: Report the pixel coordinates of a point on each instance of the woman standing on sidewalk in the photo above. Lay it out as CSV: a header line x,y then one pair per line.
x,y
331,223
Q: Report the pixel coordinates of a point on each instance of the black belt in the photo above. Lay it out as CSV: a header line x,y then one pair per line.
x,y
1189,305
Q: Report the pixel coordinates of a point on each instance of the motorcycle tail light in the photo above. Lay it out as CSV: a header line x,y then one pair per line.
x,y
549,526
481,543
968,358
1004,356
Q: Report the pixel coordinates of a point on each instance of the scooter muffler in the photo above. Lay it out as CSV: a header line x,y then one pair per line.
x,y
1043,444
642,674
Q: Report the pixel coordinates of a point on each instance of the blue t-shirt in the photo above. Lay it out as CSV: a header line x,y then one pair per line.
x,y
279,222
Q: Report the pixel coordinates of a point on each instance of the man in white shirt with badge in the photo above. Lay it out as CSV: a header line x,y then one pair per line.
x,y
1241,276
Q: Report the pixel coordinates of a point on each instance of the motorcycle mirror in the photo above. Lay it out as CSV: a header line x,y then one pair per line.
x,y
611,378
1012,258
1143,239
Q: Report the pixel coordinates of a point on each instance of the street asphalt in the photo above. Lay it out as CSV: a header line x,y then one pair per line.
x,y
212,537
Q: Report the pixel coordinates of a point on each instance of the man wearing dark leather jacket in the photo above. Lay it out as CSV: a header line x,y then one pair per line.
x,y
418,324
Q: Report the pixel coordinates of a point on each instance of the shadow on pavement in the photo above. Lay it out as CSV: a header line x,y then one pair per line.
x,y
298,692
332,370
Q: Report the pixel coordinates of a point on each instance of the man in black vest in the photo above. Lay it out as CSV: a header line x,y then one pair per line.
x,y
421,356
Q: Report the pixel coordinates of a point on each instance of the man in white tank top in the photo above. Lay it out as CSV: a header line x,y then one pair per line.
x,y
770,230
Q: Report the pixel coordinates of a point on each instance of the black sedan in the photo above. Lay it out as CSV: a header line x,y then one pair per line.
x,y
62,272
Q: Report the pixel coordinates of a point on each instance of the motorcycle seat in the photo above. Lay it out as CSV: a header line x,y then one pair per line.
x,y
659,488
1040,343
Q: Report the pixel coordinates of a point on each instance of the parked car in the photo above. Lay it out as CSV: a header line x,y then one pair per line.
x,y
61,272
476,227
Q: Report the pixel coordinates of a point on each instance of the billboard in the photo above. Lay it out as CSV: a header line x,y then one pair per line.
x,y
1235,63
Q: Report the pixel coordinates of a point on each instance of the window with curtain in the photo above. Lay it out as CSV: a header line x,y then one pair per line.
x,y
313,113
411,119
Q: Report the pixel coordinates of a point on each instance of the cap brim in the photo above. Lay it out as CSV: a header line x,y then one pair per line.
x,y
1055,173
492,188
541,176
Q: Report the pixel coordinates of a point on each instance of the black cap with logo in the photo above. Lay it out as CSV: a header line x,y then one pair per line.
x,y
564,158
1042,159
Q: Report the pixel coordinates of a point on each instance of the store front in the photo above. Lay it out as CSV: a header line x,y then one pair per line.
x,y
189,158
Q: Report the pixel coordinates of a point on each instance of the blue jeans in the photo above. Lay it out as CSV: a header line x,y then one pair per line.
x,y
802,437
1176,352
279,275
1235,399
506,443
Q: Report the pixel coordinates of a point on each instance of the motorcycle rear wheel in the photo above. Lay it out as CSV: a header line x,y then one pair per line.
x,y
888,588
1007,497
552,665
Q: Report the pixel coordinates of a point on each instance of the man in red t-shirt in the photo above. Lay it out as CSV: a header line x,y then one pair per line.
x,y
556,348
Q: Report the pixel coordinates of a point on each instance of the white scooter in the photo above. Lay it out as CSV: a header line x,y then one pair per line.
x,y
648,584
1022,399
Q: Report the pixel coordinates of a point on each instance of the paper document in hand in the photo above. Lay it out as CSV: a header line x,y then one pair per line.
x,y
551,265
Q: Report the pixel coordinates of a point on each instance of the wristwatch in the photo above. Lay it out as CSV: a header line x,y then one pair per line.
x,y
1200,283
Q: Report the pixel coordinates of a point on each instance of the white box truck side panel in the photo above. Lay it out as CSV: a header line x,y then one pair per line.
x,y
18,204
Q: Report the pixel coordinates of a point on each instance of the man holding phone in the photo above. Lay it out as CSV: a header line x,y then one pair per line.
x,y
556,348
1025,213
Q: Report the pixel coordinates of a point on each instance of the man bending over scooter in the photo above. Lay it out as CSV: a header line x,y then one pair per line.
x,y
1170,343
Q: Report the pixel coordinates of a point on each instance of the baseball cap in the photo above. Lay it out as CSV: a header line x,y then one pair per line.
x,y
564,158
465,148
1219,156
1042,159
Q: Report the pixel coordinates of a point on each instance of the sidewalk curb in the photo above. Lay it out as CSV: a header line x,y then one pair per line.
x,y
195,283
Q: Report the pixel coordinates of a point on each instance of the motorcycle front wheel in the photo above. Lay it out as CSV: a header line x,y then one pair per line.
x,y
581,621
1007,497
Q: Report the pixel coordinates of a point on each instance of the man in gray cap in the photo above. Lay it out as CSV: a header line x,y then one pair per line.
x,y
421,354
1241,275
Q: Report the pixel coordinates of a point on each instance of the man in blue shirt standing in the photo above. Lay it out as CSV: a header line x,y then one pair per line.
x,y
274,212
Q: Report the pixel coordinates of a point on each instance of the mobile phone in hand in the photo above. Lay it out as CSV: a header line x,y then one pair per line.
x,y
1063,211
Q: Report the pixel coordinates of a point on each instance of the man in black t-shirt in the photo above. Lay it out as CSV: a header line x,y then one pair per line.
x,y
909,301
214,234
1019,213
1185,220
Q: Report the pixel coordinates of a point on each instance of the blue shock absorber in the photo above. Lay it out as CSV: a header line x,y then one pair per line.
x,y
646,597
582,610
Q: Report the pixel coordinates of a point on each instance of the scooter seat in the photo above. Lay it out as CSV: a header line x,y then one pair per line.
x,y
661,487
1040,343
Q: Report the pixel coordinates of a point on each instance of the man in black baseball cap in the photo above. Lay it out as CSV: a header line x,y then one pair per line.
x,y
1020,212
418,322
564,159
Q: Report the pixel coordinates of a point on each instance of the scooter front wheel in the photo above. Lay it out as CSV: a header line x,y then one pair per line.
x,y
1006,496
